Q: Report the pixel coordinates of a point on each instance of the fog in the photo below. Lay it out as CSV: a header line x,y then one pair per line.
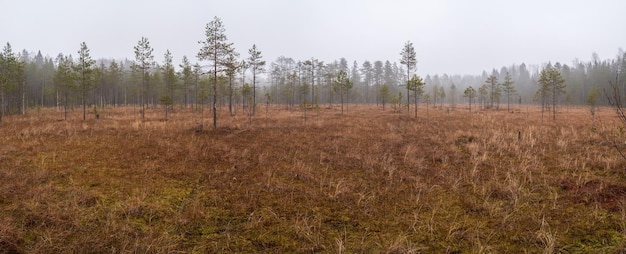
x,y
454,37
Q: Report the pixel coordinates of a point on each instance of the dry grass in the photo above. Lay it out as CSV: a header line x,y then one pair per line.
x,y
368,181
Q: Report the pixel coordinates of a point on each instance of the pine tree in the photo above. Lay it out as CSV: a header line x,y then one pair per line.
x,y
552,82
64,80
6,59
492,82
342,85
470,93
257,66
442,94
408,58
84,74
355,75
232,67
482,90
144,60
368,75
186,75
378,77
197,71
453,95
114,76
216,49
169,77
384,94
389,75
509,89
312,65
11,77
416,85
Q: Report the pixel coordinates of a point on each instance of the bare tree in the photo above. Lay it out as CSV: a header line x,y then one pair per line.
x,y
616,101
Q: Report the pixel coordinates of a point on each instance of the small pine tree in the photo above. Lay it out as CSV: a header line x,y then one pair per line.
x,y
509,89
470,93
84,74
416,85
384,94
592,101
552,82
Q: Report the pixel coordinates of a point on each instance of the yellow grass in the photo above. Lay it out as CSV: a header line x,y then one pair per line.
x,y
367,181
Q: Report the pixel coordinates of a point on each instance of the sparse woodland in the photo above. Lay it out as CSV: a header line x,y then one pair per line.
x,y
303,156
222,77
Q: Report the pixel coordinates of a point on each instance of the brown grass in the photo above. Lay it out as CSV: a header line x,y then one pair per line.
x,y
368,181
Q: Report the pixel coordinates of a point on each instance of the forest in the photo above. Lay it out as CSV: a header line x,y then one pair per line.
x,y
31,80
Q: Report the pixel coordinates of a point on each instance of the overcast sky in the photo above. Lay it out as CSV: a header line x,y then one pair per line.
x,y
453,37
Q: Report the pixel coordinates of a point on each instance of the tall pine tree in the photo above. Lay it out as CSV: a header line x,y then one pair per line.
x,y
215,49
144,60
409,59
84,74
509,89
256,66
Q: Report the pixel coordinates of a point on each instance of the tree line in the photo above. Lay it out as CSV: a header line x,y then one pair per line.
x,y
221,77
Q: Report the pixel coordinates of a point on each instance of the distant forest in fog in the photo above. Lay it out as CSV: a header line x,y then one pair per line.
x,y
288,81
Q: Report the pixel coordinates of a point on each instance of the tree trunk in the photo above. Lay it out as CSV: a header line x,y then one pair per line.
x,y
186,93
377,91
215,93
408,103
43,86
1,104
341,103
416,101
125,96
253,90
383,102
65,108
230,95
347,100
84,103
143,94
312,83
554,95
23,103
195,94
408,77
23,97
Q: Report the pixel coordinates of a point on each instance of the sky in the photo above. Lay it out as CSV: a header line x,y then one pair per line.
x,y
449,36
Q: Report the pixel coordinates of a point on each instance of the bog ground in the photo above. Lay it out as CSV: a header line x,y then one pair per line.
x,y
369,181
